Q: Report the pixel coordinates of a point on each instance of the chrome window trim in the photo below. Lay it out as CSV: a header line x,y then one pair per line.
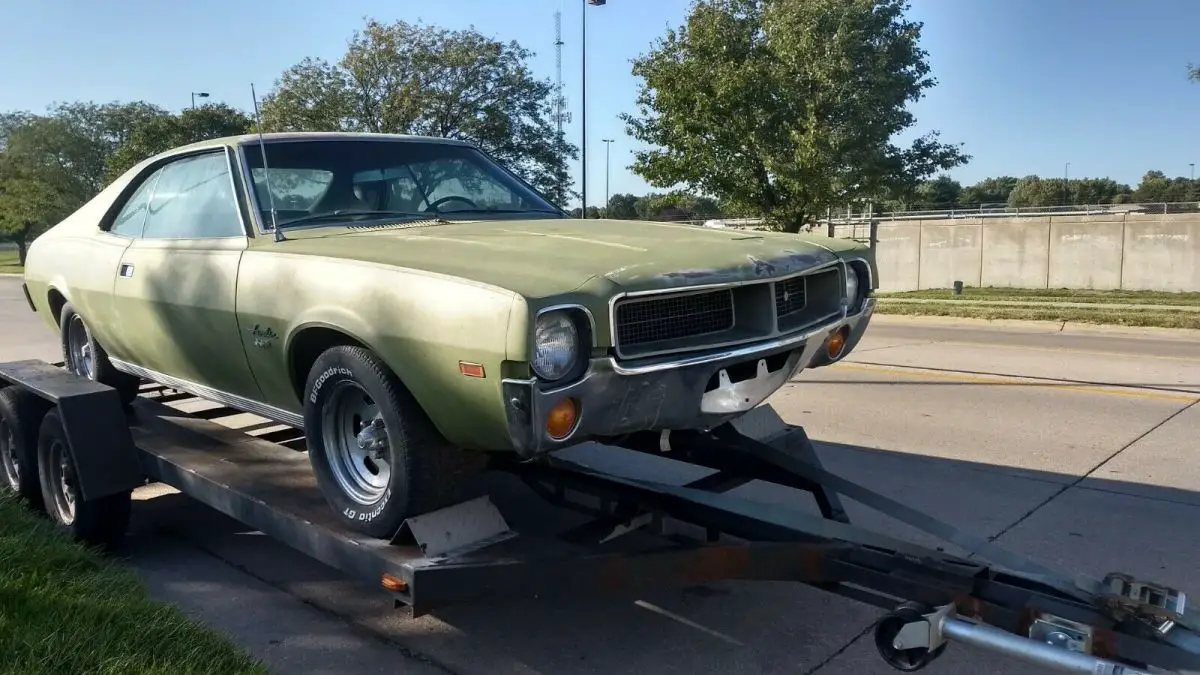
x,y
234,401
156,175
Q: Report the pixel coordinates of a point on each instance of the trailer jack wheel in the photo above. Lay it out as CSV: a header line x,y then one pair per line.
x,y
97,522
889,642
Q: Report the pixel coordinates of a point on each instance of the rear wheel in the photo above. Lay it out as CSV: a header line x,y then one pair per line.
x,y
21,415
98,522
376,456
85,357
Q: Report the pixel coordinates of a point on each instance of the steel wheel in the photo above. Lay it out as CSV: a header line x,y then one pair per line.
x,y
79,345
10,465
356,443
62,482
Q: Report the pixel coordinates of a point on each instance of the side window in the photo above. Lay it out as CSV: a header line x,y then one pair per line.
x,y
129,221
193,199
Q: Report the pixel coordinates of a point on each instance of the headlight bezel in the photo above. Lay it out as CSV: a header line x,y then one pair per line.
x,y
579,321
863,282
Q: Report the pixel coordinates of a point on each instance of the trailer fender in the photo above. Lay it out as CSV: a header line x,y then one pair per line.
x,y
94,422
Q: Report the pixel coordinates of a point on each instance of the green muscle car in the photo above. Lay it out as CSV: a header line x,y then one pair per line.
x,y
413,306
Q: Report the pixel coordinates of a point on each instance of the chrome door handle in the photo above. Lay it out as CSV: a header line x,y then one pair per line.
x,y
126,270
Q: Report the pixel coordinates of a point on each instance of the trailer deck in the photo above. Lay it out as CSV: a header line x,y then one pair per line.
x,y
640,532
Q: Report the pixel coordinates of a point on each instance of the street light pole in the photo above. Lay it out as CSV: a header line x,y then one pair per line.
x,y
607,148
583,102
201,94
1066,183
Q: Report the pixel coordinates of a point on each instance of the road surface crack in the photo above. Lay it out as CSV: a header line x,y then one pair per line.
x,y
1088,474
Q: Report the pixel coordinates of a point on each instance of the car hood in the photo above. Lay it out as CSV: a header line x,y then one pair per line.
x,y
545,257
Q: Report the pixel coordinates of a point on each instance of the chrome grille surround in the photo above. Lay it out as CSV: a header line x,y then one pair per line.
x,y
714,316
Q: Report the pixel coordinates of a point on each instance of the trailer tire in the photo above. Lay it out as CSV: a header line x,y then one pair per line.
x,y
21,414
424,471
98,522
85,357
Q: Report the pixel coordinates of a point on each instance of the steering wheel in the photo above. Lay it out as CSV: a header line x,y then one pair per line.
x,y
433,207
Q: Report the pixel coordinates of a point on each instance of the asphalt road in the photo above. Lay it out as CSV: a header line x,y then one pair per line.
x,y
1074,447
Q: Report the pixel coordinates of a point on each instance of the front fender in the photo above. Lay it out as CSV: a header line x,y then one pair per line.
x,y
421,325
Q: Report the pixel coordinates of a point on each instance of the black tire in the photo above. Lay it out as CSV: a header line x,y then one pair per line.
x,y
98,522
21,414
426,472
103,371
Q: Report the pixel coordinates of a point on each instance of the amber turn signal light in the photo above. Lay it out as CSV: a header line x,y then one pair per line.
x,y
837,342
561,419
394,583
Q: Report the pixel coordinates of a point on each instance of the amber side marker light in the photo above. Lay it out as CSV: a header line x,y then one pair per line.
x,y
471,369
561,419
837,342
392,582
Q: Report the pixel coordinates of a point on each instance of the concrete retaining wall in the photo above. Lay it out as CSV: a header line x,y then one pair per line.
x,y
1104,252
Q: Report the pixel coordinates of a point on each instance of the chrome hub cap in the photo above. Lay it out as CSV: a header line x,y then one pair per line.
x,y
63,479
356,443
79,347
9,465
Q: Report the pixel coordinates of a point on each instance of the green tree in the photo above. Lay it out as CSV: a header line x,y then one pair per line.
x,y
158,133
785,107
29,201
988,191
406,78
941,192
622,206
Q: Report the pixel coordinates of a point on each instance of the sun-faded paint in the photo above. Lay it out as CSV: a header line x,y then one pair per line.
x,y
225,313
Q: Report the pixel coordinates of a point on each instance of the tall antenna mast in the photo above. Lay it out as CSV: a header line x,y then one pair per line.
x,y
262,148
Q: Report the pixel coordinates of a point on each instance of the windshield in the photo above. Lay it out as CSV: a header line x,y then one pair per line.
x,y
330,181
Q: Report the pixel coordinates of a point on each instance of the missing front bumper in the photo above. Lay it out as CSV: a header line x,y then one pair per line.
x,y
699,392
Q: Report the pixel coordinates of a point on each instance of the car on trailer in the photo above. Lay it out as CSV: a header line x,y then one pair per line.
x,y
416,308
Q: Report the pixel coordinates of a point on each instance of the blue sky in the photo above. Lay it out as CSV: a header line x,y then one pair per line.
x,y
1026,85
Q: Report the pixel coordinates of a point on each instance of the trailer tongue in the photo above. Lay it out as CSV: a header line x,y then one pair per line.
x,y
686,533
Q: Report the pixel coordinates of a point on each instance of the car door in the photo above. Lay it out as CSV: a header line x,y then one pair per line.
x,y
176,284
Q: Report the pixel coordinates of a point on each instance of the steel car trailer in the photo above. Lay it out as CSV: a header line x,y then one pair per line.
x,y
89,453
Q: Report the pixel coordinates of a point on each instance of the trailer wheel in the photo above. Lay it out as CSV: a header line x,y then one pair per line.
x,y
21,414
377,457
97,522
85,357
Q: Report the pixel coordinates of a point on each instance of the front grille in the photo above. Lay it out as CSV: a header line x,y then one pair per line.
x,y
790,296
641,321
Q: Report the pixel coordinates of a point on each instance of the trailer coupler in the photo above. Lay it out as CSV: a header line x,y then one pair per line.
x,y
911,637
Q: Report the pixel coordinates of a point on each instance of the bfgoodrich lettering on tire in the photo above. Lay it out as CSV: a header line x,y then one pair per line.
x,y
376,456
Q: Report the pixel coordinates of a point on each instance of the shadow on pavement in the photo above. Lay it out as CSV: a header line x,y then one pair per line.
x,y
729,626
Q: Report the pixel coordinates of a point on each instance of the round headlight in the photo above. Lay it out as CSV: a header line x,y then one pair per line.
x,y
851,285
555,345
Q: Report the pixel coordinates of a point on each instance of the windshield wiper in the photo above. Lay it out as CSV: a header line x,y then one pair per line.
x,y
348,215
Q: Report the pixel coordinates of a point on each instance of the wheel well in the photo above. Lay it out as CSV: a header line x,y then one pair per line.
x,y
56,300
309,344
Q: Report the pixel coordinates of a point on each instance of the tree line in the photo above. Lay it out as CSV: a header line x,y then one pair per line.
x,y
944,192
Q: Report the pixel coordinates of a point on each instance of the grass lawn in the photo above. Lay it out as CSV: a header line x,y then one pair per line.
x,y
8,262
1051,295
1151,317
65,609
